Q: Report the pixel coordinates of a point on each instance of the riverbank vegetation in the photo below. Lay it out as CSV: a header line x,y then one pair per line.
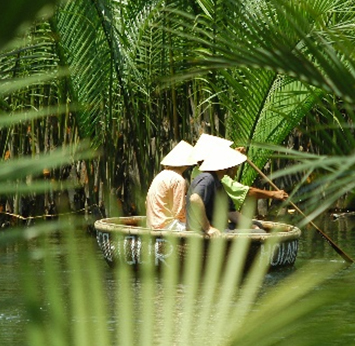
x,y
133,79
94,93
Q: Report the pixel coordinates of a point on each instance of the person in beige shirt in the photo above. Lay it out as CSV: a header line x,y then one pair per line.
x,y
165,201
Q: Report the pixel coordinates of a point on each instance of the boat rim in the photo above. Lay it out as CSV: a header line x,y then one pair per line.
x,y
114,225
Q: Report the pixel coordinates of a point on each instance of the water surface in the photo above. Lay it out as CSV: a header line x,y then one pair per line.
x,y
338,315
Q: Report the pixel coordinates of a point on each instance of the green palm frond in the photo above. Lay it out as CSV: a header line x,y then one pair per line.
x,y
296,39
330,126
276,61
334,179
88,56
267,108
108,47
101,40
35,61
30,89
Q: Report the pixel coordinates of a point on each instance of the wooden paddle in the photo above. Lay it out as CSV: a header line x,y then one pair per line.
x,y
333,245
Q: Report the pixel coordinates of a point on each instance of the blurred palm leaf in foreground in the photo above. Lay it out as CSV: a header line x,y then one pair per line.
x,y
69,300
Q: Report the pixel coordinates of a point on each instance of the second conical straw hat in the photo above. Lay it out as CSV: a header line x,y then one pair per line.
x,y
222,157
206,143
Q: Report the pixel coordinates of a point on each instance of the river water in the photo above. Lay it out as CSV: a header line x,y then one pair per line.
x,y
339,315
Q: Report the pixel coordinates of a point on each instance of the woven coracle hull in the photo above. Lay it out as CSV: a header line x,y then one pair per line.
x,y
126,240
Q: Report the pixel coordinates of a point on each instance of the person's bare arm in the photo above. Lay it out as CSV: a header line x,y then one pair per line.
x,y
263,194
201,219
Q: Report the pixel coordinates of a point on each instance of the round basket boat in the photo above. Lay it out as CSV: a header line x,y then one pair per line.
x,y
127,240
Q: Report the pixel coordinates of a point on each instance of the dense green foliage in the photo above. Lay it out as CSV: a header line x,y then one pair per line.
x,y
143,75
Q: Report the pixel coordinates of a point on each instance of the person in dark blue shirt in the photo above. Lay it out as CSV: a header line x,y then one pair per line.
x,y
209,208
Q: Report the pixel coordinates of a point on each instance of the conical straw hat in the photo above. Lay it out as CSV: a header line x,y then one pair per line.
x,y
179,156
222,157
206,143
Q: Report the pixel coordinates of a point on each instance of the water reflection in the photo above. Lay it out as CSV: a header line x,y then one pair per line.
x,y
12,315
313,247
340,230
